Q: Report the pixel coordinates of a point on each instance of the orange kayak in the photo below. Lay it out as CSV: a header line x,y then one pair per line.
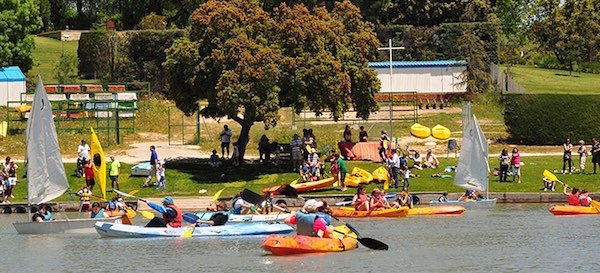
x,y
438,210
351,212
299,244
572,210
304,187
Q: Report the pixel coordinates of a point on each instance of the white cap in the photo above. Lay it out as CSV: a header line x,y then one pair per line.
x,y
312,205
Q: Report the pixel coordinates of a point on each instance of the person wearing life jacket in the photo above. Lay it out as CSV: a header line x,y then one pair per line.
x,y
573,196
84,198
360,201
308,222
42,215
114,206
219,216
97,211
584,198
378,201
172,215
404,199
240,206
443,198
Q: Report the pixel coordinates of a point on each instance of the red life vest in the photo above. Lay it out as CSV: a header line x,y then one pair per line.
x,y
360,200
573,199
584,201
378,202
174,222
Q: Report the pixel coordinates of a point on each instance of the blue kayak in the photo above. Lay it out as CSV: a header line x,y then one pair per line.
x,y
106,229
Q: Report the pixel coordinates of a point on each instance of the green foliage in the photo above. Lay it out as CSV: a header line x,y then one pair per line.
x,y
17,20
540,80
65,69
46,53
153,21
92,52
247,63
561,118
440,42
476,77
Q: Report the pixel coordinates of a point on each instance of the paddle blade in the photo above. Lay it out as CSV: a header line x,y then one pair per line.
x,y
130,213
217,195
294,182
190,217
550,175
252,197
147,214
289,191
373,244
188,233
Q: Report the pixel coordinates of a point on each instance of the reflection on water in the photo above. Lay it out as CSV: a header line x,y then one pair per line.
x,y
508,238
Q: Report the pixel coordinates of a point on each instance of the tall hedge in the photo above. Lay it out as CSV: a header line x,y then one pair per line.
x,y
438,42
547,119
92,45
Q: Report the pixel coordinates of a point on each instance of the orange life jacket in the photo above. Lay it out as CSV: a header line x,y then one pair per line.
x,y
174,222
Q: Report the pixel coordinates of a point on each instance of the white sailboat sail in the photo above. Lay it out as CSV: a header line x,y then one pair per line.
x,y
472,170
45,170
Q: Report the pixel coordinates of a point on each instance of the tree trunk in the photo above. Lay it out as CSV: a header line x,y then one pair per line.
x,y
244,138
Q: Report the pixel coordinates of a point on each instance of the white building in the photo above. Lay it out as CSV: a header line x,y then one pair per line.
x,y
421,76
12,84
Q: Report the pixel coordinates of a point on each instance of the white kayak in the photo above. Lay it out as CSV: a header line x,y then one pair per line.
x,y
106,229
246,218
80,225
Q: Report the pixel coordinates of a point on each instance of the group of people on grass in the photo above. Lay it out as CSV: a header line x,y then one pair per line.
x,y
8,179
512,161
85,167
583,153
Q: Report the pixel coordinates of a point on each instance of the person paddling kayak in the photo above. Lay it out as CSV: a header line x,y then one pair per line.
x,y
573,195
308,222
218,218
171,214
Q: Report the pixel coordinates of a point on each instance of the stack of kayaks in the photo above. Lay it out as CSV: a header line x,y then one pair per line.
x,y
304,187
573,210
436,210
248,218
351,212
106,229
440,132
358,176
299,244
380,175
420,131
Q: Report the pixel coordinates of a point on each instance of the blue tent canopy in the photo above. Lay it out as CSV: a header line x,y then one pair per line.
x,y
11,74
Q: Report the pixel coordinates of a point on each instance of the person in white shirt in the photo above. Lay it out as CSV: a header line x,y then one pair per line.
x,y
225,140
393,164
83,154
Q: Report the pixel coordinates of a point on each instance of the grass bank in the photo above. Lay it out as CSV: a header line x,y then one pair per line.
x,y
542,80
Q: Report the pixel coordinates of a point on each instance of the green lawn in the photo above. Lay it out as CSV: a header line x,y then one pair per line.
x,y
188,179
542,80
46,54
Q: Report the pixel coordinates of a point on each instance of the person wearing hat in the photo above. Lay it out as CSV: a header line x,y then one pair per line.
x,y
171,214
83,154
114,168
431,160
97,211
308,222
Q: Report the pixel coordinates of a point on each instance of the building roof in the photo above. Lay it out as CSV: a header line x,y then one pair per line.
x,y
11,74
414,64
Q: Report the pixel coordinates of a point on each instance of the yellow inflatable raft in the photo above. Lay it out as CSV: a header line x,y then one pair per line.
x,y
420,131
440,132
380,175
358,176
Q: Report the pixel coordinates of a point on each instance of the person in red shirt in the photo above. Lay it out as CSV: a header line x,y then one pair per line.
x,y
573,195
89,175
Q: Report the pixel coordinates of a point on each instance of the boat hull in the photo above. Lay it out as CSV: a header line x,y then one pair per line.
x,y
299,244
479,204
248,218
350,212
128,231
572,210
83,225
304,187
436,210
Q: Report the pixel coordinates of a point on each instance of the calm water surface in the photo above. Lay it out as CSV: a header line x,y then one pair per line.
x,y
508,238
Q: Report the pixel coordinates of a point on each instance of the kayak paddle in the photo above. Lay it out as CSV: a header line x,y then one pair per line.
x,y
365,241
553,177
147,214
188,233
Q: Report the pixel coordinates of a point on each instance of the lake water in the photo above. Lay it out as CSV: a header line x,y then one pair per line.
x,y
507,238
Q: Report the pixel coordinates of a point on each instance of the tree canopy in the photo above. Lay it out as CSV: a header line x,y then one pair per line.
x,y
18,18
248,62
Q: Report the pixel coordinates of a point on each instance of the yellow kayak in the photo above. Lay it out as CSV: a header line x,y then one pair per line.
x,y
380,175
299,244
98,162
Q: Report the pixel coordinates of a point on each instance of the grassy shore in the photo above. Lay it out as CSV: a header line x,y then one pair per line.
x,y
542,80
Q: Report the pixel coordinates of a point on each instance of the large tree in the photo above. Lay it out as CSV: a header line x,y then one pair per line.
x,y
247,62
18,18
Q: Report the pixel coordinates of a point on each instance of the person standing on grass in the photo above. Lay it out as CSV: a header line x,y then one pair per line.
x,y
515,162
83,154
567,151
582,156
504,159
595,153
11,172
341,169
363,136
114,169
296,149
225,140
88,173
393,166
154,166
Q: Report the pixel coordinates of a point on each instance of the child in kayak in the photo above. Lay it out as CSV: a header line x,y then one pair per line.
x,y
308,222
573,195
360,201
584,198
378,201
